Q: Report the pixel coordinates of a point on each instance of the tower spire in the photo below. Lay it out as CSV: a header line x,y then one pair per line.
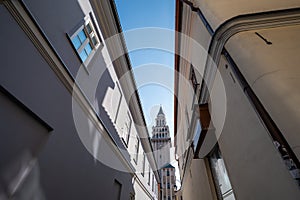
x,y
161,111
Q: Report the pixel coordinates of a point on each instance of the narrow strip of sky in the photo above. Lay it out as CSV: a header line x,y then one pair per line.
x,y
137,14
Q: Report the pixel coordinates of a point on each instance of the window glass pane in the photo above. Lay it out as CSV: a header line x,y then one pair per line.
x,y
143,170
94,40
149,174
220,175
197,134
83,55
88,48
76,42
137,149
82,36
89,28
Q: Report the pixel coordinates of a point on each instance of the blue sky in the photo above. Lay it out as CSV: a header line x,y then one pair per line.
x,y
136,14
146,13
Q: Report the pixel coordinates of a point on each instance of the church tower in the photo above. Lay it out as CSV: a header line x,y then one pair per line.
x,y
161,140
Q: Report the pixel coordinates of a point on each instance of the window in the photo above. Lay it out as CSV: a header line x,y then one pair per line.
x,y
193,78
118,96
220,176
85,40
117,190
143,170
126,129
168,173
137,144
187,117
153,183
149,174
197,133
131,196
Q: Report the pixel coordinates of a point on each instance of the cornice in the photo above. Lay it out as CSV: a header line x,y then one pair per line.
x,y
238,24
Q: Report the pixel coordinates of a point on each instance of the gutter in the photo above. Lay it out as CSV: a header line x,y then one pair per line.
x,y
144,141
178,21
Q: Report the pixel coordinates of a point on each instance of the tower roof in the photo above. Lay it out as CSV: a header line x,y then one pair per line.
x,y
168,166
160,111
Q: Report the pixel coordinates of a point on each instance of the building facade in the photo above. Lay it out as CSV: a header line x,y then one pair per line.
x,y
168,182
68,120
161,142
236,93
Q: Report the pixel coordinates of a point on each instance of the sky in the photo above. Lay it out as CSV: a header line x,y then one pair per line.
x,y
138,14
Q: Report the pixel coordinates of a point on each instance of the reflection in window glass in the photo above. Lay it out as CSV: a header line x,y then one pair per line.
x,y
83,56
88,48
76,42
197,133
82,36
222,182
94,40
88,28
85,40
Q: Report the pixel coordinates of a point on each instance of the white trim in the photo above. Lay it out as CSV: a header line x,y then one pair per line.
x,y
89,36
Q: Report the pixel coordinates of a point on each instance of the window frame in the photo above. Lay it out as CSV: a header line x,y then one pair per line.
x,y
127,129
153,183
144,164
137,145
193,78
216,153
90,36
149,174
